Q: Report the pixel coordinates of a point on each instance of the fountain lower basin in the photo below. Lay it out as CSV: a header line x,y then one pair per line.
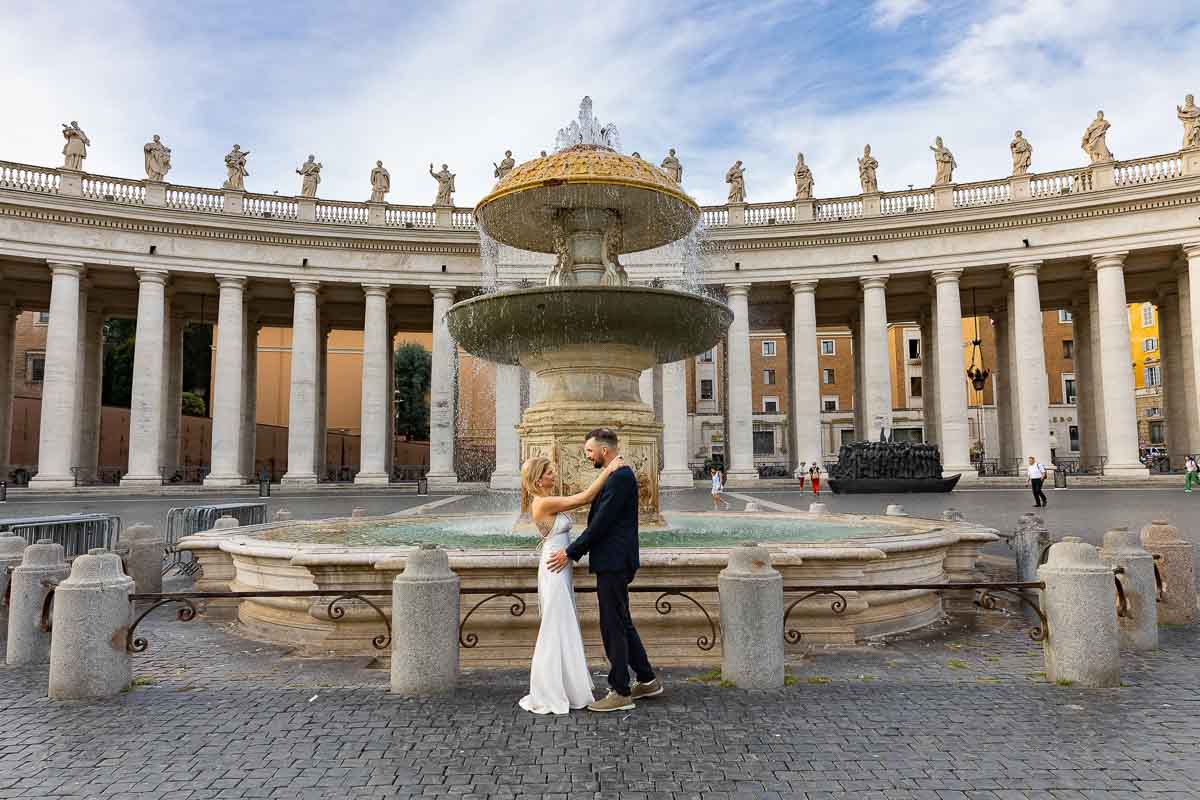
x,y
358,554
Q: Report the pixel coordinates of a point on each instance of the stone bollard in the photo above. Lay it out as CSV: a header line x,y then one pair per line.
x,y
895,510
1139,627
27,642
751,593
282,515
817,508
751,507
953,515
1080,603
88,658
358,513
425,607
1178,570
144,562
1028,542
11,548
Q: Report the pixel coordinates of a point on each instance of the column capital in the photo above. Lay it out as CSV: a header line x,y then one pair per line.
x,y
947,276
804,287
306,287
1106,260
873,282
66,268
231,282
376,290
1192,250
1024,268
443,292
158,276
737,289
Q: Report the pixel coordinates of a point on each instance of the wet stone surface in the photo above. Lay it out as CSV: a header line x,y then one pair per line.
x,y
961,711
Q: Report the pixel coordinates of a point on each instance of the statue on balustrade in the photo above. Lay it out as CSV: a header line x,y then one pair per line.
x,y
75,150
158,159
1189,115
672,166
505,166
445,181
866,172
310,172
1094,143
944,163
804,179
235,168
381,182
1022,154
736,178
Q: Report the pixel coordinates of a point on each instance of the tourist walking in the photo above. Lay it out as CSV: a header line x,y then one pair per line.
x,y
800,474
1191,473
559,679
1037,476
814,478
718,488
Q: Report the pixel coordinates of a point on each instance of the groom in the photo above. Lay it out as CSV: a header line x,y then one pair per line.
x,y
611,538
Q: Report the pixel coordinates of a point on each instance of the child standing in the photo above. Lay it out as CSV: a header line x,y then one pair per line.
x,y
718,486
814,478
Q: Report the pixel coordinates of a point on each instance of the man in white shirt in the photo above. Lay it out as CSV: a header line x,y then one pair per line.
x,y
1037,475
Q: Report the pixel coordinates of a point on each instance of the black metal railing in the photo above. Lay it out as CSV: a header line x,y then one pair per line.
x,y
1080,466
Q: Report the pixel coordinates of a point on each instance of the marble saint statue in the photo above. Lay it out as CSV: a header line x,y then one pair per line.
x,y
943,161
867,165
505,166
158,159
1022,154
804,179
672,166
445,181
75,150
310,172
381,182
736,178
1093,142
235,167
1189,115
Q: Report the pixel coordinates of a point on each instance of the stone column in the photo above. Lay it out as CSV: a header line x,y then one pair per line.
x,y
954,437
1120,407
1190,327
321,439
390,448
1080,606
675,426
376,403
876,372
90,397
59,392
81,360
1085,380
646,386
1029,355
228,385
1097,375
88,659
425,613
507,474
173,393
806,375
1175,388
930,408
740,462
302,408
751,593
8,334
441,394
856,348
146,406
1139,627
1003,378
250,398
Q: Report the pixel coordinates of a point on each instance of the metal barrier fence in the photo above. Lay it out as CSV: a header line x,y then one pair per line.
x,y
185,521
77,533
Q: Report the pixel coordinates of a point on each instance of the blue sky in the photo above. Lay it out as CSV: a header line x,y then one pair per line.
x,y
461,82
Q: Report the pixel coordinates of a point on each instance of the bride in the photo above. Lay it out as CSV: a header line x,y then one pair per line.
x,y
558,678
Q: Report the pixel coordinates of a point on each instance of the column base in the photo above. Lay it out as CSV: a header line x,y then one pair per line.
x,y
505,480
372,479
676,478
141,481
40,481
294,479
1134,470
739,477
225,481
443,481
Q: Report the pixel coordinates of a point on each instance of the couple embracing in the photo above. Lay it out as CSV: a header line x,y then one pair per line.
x,y
559,679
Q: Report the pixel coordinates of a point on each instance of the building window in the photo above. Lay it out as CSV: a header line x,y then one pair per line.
x,y
1156,433
1073,432
706,357
1147,315
828,347
1068,348
35,367
706,389
1065,317
827,377
768,377
829,404
768,347
914,349
1149,344
1154,411
764,443
41,318
770,405
1153,376
914,386
1069,389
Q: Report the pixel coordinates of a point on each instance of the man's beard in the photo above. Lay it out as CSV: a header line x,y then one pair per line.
x,y
598,463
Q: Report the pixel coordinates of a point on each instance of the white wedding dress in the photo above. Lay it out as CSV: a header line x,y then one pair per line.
x,y
558,677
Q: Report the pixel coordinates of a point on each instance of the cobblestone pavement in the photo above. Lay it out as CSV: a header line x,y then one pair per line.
x,y
961,711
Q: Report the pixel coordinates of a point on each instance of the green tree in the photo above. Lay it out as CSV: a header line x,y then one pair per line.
x,y
413,364
118,362
197,363
193,405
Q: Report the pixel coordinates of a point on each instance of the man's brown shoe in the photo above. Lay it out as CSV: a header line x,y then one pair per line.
x,y
649,689
613,702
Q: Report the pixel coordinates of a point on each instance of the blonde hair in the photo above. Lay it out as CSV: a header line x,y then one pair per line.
x,y
532,472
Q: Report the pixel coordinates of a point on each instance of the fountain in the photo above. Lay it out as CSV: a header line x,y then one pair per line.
x,y
587,334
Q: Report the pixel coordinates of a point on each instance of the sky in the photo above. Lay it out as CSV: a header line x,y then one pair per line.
x,y
460,82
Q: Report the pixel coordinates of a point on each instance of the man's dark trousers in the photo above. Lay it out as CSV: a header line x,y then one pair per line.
x,y
622,645
1039,497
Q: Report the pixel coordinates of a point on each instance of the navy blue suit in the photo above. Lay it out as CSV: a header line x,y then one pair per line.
x,y
610,541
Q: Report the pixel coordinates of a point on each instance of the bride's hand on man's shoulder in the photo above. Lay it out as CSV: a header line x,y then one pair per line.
x,y
615,465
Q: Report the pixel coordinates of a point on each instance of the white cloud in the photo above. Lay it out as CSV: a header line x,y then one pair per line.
x,y
891,13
